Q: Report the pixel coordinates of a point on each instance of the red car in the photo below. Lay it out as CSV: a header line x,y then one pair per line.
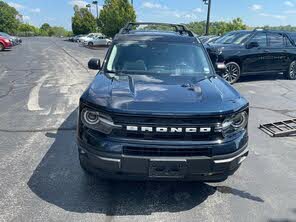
x,y
4,43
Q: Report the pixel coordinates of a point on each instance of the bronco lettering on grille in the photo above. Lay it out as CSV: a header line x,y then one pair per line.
x,y
168,129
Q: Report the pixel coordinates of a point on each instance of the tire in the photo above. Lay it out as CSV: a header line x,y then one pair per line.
x,y
291,73
90,44
1,47
232,72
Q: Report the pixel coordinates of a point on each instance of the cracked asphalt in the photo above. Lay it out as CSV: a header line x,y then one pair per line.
x,y
40,178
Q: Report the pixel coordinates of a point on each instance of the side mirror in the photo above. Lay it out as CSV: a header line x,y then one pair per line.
x,y
94,64
252,45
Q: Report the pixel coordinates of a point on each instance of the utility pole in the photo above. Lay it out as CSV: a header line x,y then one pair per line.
x,y
132,2
208,3
97,7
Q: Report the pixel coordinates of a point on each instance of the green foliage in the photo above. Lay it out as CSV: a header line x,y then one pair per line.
x,y
8,18
28,28
157,27
10,24
114,15
83,21
45,29
284,28
58,31
217,28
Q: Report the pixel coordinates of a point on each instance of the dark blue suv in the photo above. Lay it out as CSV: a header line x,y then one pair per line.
x,y
255,52
157,111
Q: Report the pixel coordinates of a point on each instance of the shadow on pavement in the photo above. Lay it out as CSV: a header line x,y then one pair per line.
x,y
262,77
59,180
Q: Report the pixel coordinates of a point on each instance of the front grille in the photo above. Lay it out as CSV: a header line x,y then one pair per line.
x,y
164,121
168,152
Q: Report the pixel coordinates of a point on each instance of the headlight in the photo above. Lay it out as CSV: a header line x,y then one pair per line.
x,y
97,121
240,120
91,117
6,40
234,124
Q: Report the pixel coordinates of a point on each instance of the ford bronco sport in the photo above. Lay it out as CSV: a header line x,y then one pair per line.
x,y
156,110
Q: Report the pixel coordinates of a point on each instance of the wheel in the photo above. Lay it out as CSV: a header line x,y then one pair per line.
x,y
108,43
291,73
90,44
232,72
1,47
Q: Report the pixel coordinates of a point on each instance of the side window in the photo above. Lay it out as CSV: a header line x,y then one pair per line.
x,y
260,38
276,40
288,43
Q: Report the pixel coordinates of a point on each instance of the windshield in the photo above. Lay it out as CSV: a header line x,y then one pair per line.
x,y
233,38
4,34
158,58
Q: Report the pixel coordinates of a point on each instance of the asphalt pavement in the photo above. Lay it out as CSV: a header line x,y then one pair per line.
x,y
40,178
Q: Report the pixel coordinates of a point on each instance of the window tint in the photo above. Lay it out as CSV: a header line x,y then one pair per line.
x,y
276,40
174,59
233,38
293,36
261,39
288,42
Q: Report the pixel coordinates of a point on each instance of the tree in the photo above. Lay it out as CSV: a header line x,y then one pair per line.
x,y
8,18
83,21
58,31
217,28
114,15
45,29
27,30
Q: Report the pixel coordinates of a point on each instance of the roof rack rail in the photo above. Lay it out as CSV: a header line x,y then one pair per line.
x,y
259,29
180,28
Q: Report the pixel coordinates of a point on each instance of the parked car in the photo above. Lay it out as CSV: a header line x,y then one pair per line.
x,y
254,52
75,38
98,40
14,40
157,110
88,37
208,38
5,43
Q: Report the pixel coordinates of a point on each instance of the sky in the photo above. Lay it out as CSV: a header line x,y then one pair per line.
x,y
253,12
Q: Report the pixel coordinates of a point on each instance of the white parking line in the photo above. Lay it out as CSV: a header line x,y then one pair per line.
x,y
33,102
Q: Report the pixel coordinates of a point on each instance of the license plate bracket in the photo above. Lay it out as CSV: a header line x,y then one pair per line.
x,y
167,168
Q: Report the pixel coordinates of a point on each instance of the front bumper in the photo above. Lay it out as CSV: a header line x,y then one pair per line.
x,y
197,168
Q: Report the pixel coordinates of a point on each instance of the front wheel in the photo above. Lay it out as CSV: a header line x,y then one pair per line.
x,y
291,73
232,72
90,44
1,47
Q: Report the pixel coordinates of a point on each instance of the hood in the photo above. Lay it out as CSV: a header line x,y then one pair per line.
x,y
165,95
